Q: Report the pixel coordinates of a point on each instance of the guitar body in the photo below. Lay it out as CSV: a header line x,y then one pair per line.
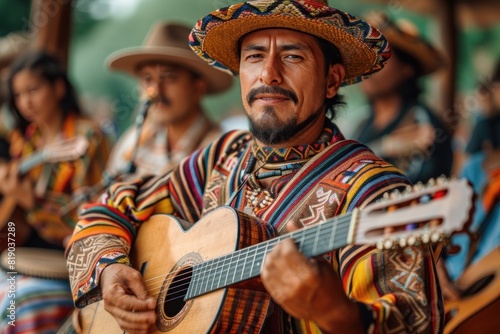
x,y
204,277
166,270
479,311
65,150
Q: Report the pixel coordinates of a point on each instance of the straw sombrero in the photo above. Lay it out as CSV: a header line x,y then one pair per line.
x,y
168,42
404,35
215,37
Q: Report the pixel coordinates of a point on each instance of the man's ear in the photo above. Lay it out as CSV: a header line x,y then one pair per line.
x,y
336,74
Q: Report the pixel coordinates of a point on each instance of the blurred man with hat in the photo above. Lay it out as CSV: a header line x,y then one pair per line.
x,y
175,81
400,127
293,169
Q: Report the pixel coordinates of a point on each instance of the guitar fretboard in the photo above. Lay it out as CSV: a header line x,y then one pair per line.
x,y
246,263
30,162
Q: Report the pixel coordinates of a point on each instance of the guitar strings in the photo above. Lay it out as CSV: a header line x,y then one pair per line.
x,y
156,283
184,286
238,254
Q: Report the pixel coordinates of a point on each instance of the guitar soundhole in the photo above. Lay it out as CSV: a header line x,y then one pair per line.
x,y
478,285
176,292
171,308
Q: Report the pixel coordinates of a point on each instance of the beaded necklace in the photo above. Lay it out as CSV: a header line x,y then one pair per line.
x,y
281,163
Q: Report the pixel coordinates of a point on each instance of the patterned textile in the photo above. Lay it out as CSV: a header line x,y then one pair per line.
x,y
55,183
153,155
43,304
397,292
215,38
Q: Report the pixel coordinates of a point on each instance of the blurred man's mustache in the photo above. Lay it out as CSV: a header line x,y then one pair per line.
x,y
153,96
271,90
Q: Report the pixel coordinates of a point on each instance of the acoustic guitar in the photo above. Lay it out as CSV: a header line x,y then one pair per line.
x,y
196,277
478,308
65,150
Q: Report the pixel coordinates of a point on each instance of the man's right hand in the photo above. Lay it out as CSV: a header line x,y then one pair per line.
x,y
126,298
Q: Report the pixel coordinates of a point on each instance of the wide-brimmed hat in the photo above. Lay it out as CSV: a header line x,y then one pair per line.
x,y
404,35
168,42
215,37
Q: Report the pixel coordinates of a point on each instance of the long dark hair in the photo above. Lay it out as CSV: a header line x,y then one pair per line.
x,y
49,68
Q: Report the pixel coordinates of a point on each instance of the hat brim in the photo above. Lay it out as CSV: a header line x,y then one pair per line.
x,y
364,50
128,60
429,58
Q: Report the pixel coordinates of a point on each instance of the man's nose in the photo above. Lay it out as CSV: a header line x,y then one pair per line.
x,y
271,71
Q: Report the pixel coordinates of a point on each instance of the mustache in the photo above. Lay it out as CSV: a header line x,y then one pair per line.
x,y
251,96
160,99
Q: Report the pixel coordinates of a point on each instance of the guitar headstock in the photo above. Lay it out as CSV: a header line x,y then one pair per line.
x,y
66,150
421,214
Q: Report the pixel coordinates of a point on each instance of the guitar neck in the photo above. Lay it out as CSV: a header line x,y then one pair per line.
x,y
246,263
30,162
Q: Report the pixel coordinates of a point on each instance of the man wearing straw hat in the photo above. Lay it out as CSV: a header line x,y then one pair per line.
x,y
293,169
175,81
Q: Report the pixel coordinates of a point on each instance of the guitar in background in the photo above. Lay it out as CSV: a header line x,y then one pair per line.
x,y
66,150
195,282
475,306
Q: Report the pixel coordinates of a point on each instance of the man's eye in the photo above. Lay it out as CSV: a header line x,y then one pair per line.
x,y
168,76
254,56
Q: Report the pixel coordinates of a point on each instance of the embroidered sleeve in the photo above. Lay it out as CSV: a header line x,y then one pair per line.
x,y
400,288
105,231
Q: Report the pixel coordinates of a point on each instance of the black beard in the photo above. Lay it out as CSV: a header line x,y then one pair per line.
x,y
271,131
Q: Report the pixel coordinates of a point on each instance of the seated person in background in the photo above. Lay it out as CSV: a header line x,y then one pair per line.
x,y
178,80
294,168
400,128
48,118
482,169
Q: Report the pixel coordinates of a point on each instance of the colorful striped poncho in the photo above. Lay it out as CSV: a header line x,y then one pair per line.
x,y
397,292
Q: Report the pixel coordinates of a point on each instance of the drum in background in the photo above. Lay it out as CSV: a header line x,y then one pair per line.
x,y
37,262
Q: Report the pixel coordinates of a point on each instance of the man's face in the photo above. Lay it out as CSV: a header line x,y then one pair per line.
x,y
178,92
284,85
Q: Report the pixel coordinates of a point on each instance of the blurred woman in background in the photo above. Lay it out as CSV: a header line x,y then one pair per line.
x,y
55,151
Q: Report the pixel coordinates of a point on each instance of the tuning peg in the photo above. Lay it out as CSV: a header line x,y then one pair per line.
x,y
418,186
385,244
395,194
388,244
408,189
412,240
435,237
403,243
426,238
431,182
441,180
